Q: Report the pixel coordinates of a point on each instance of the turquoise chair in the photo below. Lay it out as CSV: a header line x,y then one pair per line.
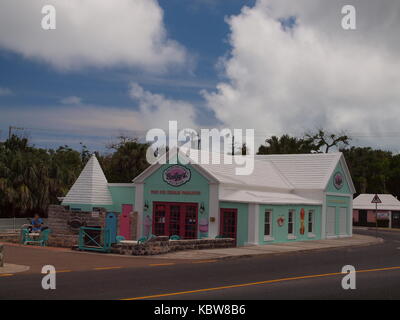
x,y
119,238
24,236
42,240
175,237
142,240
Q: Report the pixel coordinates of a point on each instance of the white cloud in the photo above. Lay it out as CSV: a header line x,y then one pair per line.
x,y
5,92
91,33
153,111
156,110
314,75
71,100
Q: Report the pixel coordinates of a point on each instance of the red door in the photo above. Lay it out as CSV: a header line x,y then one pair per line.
x,y
175,218
125,221
228,223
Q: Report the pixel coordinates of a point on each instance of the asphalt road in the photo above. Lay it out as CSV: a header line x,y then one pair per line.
x,y
311,275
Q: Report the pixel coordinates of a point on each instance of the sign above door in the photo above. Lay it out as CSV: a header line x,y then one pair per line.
x,y
176,175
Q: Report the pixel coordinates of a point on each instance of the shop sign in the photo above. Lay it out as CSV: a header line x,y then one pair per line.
x,y
382,215
176,175
176,192
338,181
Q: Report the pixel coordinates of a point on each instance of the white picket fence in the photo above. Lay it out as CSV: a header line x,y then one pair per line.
x,y
12,224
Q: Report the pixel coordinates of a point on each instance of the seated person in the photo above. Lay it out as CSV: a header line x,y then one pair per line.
x,y
37,223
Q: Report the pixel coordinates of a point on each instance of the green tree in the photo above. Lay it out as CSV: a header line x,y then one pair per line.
x,y
325,141
286,145
128,161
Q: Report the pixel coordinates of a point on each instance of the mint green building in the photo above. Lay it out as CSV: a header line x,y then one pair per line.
x,y
286,198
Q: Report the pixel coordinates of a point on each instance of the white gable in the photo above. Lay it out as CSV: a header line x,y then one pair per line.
x,y
389,202
91,187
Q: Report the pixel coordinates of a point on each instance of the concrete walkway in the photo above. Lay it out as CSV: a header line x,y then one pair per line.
x,y
12,268
248,251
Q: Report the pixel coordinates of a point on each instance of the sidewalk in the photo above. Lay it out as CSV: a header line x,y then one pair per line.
x,y
12,268
249,251
379,229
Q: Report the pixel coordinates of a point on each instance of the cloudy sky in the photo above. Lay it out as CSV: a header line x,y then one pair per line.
x,y
126,66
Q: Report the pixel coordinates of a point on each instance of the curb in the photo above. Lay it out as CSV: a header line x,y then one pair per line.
x,y
252,255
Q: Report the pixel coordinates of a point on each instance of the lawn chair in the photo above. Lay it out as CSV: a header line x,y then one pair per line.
x,y
24,236
42,240
119,238
146,238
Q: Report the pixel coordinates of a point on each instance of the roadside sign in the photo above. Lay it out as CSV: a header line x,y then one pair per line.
x,y
376,199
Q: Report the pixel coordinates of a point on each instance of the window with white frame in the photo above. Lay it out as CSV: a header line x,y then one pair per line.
x,y
310,221
291,222
268,223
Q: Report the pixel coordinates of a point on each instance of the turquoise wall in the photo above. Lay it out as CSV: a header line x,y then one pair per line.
x,y
280,233
88,207
122,195
242,220
197,183
331,187
338,202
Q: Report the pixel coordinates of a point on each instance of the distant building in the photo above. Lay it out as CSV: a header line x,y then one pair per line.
x,y
388,213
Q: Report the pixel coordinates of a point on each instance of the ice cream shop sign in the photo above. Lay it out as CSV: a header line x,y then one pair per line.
x,y
176,175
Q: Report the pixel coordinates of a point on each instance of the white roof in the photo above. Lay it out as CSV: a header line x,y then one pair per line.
x,y
91,187
265,175
252,196
389,202
275,179
305,171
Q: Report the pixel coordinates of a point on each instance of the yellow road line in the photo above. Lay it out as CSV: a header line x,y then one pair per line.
x,y
258,283
6,275
160,264
63,271
205,261
107,268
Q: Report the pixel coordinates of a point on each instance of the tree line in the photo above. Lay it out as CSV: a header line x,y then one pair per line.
x,y
31,178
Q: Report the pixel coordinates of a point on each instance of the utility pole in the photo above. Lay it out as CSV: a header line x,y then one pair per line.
x,y
233,145
11,128
376,200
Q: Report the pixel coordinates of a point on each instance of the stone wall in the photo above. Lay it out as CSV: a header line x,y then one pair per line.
x,y
65,225
12,237
1,255
160,245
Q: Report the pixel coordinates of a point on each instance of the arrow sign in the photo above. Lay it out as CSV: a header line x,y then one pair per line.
x,y
376,199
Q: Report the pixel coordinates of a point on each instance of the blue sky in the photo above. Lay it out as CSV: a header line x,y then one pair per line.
x,y
276,66
198,25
